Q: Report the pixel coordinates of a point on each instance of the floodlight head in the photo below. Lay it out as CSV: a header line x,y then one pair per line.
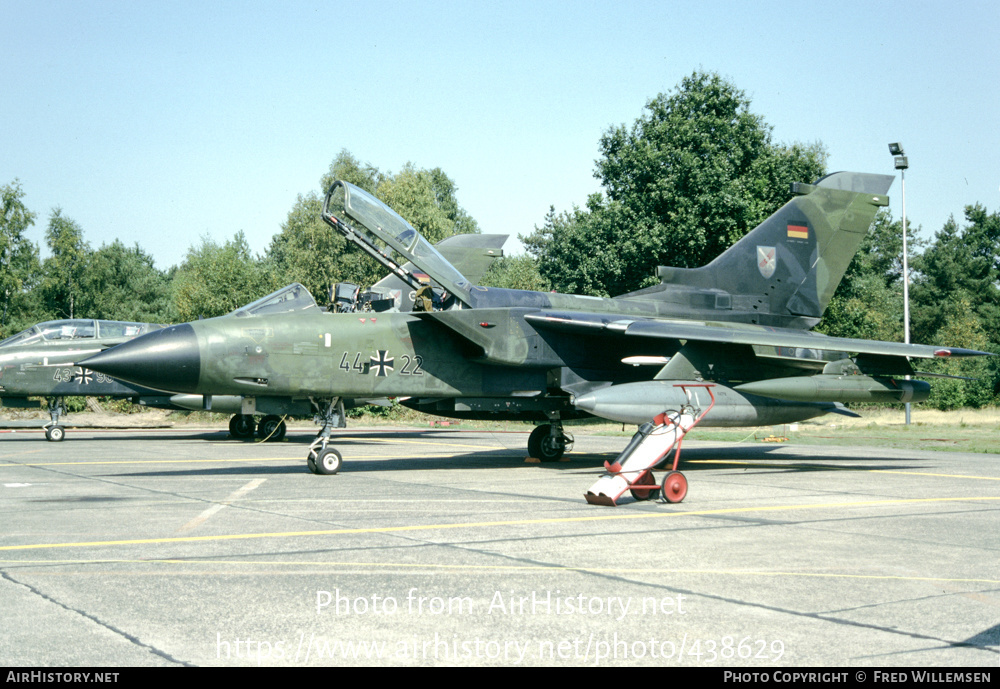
x,y
896,149
901,162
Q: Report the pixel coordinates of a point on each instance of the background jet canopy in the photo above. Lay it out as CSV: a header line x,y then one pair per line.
x,y
75,329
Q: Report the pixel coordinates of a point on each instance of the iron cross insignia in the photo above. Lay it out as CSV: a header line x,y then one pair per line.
x,y
83,376
381,363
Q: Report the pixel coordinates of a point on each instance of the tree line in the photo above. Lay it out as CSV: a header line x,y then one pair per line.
x,y
695,172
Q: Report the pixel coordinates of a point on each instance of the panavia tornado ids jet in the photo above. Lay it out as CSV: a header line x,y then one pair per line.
x,y
262,414
40,362
740,323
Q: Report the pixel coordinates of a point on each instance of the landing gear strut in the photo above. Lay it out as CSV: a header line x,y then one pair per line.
x,y
323,459
53,431
549,442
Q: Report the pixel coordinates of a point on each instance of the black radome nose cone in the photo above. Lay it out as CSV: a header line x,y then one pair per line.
x,y
167,359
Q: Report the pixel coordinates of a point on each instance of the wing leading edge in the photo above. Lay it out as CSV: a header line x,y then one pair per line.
x,y
734,333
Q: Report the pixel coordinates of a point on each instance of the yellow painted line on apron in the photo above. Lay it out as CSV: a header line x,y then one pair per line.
x,y
198,461
838,468
513,522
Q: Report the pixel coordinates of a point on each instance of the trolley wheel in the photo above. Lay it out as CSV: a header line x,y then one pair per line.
x,y
646,479
55,433
328,461
674,487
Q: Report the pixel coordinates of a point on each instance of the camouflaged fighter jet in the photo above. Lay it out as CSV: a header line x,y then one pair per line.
x,y
472,253
468,351
40,362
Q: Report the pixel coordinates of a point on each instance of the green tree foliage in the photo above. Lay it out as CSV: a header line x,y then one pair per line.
x,y
215,279
570,256
122,283
515,272
444,195
307,250
691,176
955,301
349,169
63,271
20,269
961,263
426,200
962,326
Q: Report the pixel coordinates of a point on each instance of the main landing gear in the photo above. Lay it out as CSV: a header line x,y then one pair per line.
x,y
270,428
549,442
323,459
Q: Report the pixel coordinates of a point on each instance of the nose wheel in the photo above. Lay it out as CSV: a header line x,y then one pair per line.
x,y
53,431
323,459
326,462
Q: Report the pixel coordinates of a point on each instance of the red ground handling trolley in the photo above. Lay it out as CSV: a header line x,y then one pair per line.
x,y
633,469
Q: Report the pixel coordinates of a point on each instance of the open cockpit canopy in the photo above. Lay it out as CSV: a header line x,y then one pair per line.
x,y
387,237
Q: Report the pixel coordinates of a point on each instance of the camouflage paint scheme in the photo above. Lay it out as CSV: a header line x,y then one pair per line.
x,y
742,320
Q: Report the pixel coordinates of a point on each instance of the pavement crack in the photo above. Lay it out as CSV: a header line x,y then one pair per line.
x,y
823,617
110,627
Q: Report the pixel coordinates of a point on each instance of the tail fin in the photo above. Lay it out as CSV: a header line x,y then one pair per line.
x,y
786,269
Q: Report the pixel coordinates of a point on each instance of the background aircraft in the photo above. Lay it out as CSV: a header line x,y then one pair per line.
x,y
463,350
40,362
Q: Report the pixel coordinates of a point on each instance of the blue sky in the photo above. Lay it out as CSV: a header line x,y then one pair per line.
x,y
161,123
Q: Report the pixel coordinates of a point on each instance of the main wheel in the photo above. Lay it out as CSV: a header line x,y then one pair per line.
x,y
328,461
674,486
646,479
242,426
271,428
542,445
55,433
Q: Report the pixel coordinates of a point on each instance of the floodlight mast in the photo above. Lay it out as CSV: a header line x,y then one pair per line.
x,y
901,163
